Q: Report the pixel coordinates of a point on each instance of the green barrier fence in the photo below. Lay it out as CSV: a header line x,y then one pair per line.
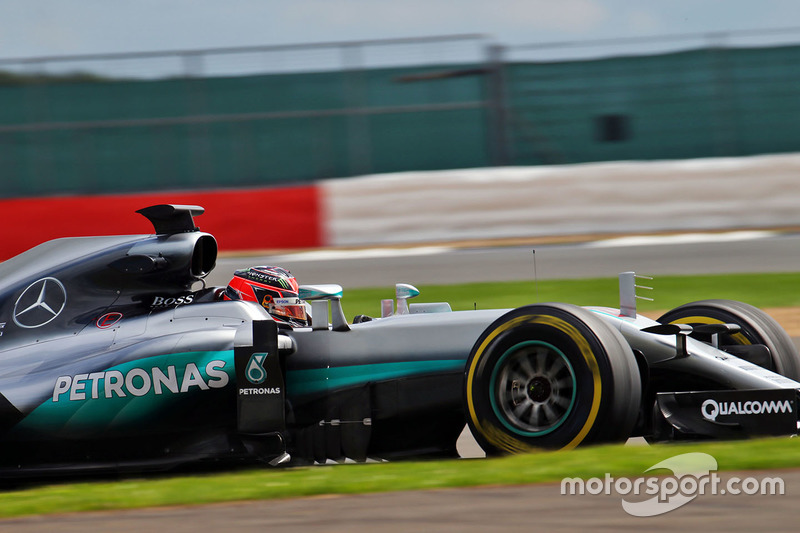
x,y
81,134
259,130
700,103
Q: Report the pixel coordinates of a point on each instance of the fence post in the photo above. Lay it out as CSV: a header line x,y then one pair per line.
x,y
726,134
200,170
359,146
39,168
496,108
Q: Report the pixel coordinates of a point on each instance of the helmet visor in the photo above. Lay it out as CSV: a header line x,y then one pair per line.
x,y
288,307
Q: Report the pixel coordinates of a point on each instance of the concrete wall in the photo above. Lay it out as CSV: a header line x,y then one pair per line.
x,y
595,198
452,205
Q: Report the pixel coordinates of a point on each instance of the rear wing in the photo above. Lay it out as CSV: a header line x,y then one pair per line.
x,y
168,219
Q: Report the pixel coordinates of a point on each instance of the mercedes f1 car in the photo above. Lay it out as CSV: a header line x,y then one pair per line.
x,y
114,354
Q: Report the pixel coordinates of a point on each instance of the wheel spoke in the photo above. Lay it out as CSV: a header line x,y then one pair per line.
x,y
540,356
550,414
536,413
526,366
552,361
558,366
520,410
515,375
562,401
563,384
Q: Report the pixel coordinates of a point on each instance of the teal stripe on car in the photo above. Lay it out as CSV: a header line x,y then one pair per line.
x,y
321,380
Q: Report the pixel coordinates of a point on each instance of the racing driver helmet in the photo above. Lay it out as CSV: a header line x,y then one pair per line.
x,y
274,288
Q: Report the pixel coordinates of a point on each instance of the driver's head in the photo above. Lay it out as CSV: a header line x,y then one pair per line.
x,y
274,288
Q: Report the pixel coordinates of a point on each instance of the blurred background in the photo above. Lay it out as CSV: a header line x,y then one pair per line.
x,y
97,98
260,115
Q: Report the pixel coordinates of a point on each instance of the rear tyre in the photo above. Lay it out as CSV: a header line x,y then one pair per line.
x,y
550,376
757,327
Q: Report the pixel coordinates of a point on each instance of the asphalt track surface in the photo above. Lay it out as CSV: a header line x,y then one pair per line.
x,y
534,507
736,252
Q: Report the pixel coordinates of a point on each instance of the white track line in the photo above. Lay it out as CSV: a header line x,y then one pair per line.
x,y
631,241
683,238
368,253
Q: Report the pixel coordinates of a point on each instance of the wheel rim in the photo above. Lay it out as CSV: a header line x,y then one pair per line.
x,y
533,388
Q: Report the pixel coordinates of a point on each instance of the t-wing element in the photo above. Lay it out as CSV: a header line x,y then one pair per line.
x,y
168,219
403,292
319,296
627,293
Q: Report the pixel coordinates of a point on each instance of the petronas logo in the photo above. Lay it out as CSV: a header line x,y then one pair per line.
x,y
255,368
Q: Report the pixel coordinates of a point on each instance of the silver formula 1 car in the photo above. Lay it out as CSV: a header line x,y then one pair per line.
x,y
114,354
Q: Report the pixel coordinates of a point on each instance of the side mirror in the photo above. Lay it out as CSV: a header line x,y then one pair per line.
x,y
403,292
320,292
319,296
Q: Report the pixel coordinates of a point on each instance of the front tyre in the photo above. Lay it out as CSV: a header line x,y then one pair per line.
x,y
757,327
550,376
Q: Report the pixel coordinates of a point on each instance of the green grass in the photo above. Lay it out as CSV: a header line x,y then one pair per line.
x,y
761,290
268,483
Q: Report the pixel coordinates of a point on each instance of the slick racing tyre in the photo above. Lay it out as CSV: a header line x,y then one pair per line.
x,y
550,376
757,327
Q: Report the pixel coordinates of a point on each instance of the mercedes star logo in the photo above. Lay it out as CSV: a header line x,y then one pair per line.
x,y
40,303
